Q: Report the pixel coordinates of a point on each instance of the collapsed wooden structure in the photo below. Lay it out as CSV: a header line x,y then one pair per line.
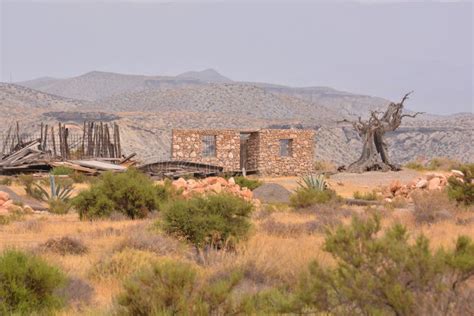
x,y
80,150
178,168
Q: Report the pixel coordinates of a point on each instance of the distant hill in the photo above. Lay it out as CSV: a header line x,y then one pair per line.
x,y
207,75
231,99
95,86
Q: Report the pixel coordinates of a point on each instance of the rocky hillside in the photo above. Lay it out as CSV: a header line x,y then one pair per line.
x,y
151,106
230,99
96,85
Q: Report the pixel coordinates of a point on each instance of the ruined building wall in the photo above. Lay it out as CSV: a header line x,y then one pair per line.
x,y
188,145
271,163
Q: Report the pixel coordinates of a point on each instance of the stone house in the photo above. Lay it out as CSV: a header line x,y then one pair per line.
x,y
268,152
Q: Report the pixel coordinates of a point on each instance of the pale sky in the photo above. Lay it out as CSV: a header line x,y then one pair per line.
x,y
380,48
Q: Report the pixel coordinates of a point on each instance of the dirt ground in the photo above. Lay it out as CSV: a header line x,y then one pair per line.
x,y
345,184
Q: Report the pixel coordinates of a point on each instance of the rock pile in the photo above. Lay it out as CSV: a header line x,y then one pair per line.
x,y
211,185
431,181
5,202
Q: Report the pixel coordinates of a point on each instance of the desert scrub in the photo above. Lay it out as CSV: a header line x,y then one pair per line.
x,y
218,220
251,184
177,288
65,246
368,196
130,193
367,277
462,190
61,171
28,285
122,264
432,206
305,197
6,181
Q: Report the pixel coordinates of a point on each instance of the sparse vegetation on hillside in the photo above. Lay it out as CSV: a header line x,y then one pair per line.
x,y
437,163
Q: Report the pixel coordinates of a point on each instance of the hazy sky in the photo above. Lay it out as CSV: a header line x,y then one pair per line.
x,y
380,48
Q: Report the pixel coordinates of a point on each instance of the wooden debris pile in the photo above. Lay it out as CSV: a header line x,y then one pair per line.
x,y
96,148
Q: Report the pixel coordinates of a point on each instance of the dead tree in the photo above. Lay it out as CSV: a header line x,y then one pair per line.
x,y
372,132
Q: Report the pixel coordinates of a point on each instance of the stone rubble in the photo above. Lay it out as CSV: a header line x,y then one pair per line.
x,y
429,182
211,185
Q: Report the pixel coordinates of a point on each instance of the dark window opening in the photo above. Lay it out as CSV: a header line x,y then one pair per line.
x,y
209,146
286,149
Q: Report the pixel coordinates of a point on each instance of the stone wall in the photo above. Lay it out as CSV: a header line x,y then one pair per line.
x,y
263,152
187,145
270,163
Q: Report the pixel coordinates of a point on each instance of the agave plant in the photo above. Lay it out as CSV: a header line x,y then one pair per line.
x,y
58,192
313,182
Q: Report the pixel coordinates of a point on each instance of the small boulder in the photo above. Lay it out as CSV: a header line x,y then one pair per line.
x,y
4,196
434,184
423,183
457,173
231,181
395,186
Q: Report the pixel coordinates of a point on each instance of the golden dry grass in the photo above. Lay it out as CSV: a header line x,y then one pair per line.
x,y
267,259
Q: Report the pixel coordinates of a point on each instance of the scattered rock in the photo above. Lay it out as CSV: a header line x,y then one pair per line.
x,y
423,183
272,193
211,185
457,173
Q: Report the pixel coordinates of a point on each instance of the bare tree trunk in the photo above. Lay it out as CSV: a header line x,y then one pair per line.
x,y
374,154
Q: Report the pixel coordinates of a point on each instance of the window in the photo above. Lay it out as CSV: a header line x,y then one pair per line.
x,y
286,147
209,146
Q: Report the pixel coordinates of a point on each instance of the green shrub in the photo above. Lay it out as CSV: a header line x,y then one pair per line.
x,y
415,165
462,190
215,220
6,181
61,171
176,288
386,274
58,206
251,184
368,196
78,177
28,284
130,193
302,198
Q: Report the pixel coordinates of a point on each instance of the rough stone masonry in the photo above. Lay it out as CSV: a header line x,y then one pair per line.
x,y
269,152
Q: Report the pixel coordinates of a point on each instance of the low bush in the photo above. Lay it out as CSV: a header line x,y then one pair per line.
x,y
60,207
438,163
216,220
432,206
462,190
386,275
130,193
6,181
122,264
141,239
65,246
61,171
367,196
176,288
305,197
251,184
28,285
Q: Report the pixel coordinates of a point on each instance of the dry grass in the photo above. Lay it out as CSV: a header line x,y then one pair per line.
x,y
282,244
